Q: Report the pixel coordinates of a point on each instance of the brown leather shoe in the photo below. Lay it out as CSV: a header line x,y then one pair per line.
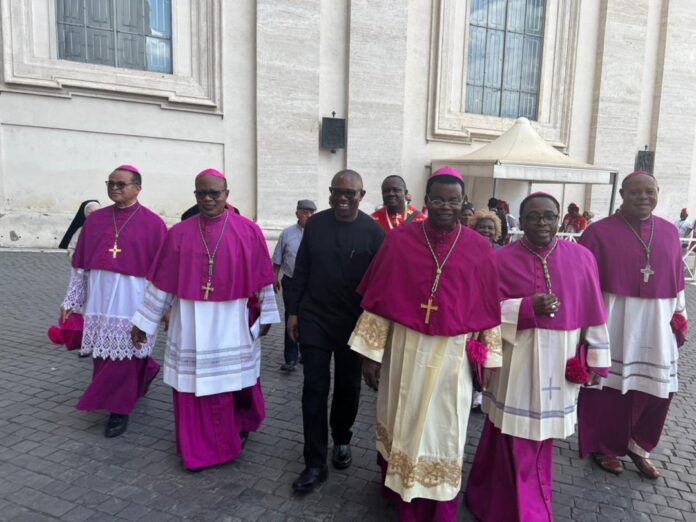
x,y
644,465
608,463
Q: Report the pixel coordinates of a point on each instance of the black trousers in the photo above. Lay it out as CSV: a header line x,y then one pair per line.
x,y
291,347
315,396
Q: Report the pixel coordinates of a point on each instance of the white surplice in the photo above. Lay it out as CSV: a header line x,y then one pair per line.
x,y
107,300
529,397
210,347
644,353
423,404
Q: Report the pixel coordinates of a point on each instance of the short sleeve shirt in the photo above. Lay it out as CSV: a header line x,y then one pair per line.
x,y
286,249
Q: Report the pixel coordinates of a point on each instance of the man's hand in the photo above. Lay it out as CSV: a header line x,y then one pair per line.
x,y
594,380
165,320
371,372
138,337
264,329
276,279
545,304
65,313
293,332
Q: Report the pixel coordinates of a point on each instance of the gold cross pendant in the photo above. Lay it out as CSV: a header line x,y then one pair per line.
x,y
207,288
114,250
428,308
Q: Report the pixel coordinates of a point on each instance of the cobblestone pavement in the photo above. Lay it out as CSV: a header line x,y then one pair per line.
x,y
56,464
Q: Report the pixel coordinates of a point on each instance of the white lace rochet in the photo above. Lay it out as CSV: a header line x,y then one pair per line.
x,y
109,338
77,291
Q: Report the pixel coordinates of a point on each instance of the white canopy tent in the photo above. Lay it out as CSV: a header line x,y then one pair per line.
x,y
509,166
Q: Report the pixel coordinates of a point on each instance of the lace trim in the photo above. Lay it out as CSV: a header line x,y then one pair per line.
x,y
76,295
426,471
373,330
493,339
109,338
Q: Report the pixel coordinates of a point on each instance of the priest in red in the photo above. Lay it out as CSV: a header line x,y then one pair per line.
x,y
573,222
396,210
215,275
642,280
414,334
113,254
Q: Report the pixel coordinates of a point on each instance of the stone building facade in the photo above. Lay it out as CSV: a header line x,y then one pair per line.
x,y
251,80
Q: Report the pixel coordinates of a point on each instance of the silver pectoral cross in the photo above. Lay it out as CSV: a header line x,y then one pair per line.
x,y
647,272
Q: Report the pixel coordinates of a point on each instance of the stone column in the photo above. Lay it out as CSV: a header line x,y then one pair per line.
x,y
287,101
376,73
618,80
674,120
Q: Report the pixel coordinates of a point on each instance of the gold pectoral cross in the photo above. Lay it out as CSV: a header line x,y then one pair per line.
x,y
207,288
647,272
114,250
428,308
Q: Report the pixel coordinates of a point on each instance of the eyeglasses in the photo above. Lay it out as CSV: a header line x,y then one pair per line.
x,y
338,192
213,194
440,203
534,217
118,185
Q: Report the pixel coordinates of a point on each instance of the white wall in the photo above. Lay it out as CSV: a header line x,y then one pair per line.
x,y
286,63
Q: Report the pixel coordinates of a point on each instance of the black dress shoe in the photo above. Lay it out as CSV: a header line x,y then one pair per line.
x,y
288,367
116,425
244,435
341,456
309,479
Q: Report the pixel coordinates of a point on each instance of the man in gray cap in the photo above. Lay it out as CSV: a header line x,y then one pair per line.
x,y
284,264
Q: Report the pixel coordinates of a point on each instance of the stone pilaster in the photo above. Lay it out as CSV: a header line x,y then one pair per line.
x,y
674,121
618,80
287,128
376,72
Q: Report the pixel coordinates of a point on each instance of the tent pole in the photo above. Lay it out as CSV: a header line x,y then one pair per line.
x,y
495,186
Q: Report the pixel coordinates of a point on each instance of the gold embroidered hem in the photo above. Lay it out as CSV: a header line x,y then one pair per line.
x,y
426,471
423,406
373,329
383,438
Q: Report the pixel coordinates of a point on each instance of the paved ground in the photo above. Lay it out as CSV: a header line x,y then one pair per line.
x,y
56,464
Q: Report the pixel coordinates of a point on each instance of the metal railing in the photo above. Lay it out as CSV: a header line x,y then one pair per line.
x,y
688,245
572,237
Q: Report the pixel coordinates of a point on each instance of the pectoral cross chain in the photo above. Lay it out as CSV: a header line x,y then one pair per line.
x,y
428,308
207,288
438,270
647,271
117,231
